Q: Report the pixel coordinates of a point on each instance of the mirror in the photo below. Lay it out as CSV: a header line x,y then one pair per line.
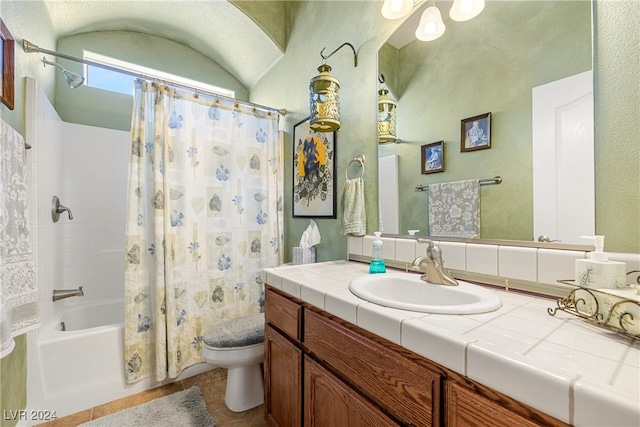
x,y
490,64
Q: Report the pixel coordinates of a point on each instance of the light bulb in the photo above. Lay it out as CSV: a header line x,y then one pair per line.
x,y
396,9
463,10
431,26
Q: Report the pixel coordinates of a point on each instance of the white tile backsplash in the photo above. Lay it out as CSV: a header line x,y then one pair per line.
x,y
545,266
482,259
405,250
554,265
518,263
388,248
454,255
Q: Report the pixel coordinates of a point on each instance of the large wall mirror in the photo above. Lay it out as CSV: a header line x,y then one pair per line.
x,y
490,64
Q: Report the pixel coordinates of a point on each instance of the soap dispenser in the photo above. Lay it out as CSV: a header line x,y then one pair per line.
x,y
598,272
377,260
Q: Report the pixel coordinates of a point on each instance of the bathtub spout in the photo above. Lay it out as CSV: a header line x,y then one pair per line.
x,y
66,293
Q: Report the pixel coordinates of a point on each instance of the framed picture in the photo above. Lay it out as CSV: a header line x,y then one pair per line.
x,y
475,133
7,64
432,157
314,172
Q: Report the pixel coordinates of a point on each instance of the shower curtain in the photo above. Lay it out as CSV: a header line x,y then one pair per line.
x,y
204,217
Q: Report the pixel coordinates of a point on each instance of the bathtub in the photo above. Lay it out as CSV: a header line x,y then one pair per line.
x,y
83,366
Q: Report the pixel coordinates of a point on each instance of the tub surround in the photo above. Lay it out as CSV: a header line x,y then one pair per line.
x,y
559,365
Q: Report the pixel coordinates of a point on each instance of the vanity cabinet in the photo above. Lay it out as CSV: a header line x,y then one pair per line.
x,y
323,371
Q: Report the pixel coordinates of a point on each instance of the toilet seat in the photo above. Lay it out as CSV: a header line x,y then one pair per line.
x,y
236,333
233,356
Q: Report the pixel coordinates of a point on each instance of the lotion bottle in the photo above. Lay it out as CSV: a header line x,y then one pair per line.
x,y
377,261
598,272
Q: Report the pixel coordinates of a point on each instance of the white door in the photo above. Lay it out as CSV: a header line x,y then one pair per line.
x,y
388,194
563,159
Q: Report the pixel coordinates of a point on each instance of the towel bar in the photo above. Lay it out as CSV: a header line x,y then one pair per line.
x,y
494,180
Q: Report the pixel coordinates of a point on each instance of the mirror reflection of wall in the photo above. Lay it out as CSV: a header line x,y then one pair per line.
x,y
488,64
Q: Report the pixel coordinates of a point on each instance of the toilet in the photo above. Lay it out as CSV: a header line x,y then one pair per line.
x,y
237,345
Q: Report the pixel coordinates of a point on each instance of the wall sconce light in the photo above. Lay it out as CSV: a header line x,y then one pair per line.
x,y
324,100
463,10
386,115
396,9
431,25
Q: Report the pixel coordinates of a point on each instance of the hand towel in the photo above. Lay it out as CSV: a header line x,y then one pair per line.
x,y
454,209
354,216
18,292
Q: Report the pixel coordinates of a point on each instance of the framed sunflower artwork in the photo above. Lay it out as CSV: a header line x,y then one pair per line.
x,y
314,172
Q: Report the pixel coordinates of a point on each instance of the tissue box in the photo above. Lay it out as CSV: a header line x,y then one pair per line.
x,y
304,255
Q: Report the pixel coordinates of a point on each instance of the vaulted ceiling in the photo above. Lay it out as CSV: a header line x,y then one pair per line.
x,y
244,37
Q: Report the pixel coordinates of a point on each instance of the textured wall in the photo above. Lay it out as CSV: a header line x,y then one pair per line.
x,y
312,27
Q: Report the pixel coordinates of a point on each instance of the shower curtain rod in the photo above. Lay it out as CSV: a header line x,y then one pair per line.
x,y
31,48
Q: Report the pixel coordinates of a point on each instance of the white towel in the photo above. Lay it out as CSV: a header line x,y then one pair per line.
x,y
354,216
454,209
18,292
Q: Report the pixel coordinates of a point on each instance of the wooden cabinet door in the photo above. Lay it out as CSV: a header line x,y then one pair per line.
x,y
328,402
395,382
282,380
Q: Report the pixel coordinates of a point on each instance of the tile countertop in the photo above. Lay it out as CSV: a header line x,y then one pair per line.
x,y
561,365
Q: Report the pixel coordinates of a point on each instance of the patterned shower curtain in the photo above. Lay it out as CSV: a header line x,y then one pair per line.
x,y
204,217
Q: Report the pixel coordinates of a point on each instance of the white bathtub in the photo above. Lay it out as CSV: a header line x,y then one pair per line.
x,y
83,366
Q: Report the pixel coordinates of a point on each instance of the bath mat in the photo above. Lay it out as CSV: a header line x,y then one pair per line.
x,y
184,408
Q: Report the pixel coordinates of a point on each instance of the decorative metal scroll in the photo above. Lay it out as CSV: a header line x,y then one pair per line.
x,y
608,311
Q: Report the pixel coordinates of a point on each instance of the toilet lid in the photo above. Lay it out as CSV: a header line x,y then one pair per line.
x,y
239,332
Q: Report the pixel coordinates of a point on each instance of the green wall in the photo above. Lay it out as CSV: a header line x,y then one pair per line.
x,y
312,27
488,64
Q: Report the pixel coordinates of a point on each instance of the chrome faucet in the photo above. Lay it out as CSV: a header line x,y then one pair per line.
x,y
66,293
434,271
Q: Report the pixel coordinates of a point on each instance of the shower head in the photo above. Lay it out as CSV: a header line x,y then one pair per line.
x,y
73,79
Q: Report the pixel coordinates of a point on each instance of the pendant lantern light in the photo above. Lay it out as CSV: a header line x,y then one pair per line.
x,y
386,115
324,99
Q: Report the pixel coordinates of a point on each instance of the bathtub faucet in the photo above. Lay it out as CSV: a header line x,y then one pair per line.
x,y
66,293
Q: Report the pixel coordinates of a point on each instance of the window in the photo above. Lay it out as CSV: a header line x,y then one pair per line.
x,y
122,82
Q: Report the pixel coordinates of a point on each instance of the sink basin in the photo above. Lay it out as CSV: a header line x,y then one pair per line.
x,y
406,291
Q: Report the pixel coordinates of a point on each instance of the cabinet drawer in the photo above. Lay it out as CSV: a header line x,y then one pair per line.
x,y
402,387
283,314
466,407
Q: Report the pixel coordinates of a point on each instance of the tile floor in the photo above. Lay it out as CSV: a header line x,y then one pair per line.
x,y
212,386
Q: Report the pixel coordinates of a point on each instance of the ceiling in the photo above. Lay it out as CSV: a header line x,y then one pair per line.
x,y
215,28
